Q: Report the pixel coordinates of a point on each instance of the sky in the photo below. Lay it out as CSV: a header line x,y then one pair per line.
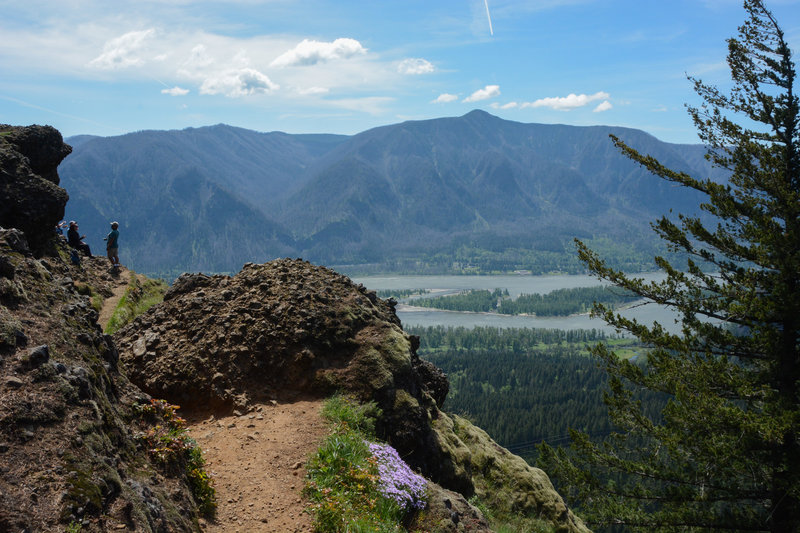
x,y
107,68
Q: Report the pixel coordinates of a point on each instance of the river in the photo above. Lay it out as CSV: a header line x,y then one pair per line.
x,y
516,285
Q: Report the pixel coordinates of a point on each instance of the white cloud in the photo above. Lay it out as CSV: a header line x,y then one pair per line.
x,y
235,83
490,91
415,66
121,52
605,105
569,102
175,91
313,52
313,91
373,105
198,57
509,105
445,98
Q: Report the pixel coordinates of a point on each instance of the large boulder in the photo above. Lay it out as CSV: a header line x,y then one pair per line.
x,y
282,328
32,200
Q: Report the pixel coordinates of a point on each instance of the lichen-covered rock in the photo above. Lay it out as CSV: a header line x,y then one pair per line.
x,y
449,512
32,200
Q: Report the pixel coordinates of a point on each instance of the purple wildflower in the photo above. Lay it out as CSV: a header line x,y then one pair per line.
x,y
397,481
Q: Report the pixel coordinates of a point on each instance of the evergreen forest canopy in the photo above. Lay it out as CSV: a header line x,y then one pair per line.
x,y
723,453
525,386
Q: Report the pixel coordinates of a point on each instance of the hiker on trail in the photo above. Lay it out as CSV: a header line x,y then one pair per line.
x,y
112,245
76,240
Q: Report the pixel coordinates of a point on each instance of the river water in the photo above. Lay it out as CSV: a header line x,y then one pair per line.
x,y
516,285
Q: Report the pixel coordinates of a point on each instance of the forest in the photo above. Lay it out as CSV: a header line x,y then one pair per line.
x,y
525,386
560,302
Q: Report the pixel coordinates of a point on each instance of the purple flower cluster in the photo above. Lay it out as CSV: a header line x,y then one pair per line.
x,y
397,481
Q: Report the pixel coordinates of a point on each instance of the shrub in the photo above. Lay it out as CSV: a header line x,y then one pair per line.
x,y
170,446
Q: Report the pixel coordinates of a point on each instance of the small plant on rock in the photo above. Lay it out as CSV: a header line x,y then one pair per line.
x,y
171,447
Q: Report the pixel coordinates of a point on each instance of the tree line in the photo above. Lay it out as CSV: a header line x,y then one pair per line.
x,y
560,302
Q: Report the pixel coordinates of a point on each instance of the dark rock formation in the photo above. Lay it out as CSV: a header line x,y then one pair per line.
x,y
69,450
223,342
71,454
32,200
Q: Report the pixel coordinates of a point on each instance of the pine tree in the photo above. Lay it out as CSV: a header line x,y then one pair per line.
x,y
724,454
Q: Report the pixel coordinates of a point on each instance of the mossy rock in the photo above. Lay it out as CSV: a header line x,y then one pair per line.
x,y
507,483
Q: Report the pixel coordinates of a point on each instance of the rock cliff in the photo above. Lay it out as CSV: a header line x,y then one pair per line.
x,y
32,200
71,452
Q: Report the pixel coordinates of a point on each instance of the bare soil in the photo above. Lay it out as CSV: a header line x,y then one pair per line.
x,y
258,461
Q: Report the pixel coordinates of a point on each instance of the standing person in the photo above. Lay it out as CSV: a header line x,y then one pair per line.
x,y
112,245
75,239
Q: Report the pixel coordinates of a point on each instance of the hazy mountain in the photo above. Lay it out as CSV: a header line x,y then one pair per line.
x,y
212,198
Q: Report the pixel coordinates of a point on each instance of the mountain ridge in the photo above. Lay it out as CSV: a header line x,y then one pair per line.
x,y
405,191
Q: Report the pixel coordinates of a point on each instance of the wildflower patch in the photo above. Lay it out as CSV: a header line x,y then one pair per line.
x,y
169,445
355,484
396,480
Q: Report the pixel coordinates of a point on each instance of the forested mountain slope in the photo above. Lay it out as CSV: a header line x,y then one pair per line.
x,y
459,187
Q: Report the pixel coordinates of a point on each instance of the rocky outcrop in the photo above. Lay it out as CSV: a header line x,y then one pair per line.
x,y
72,454
285,327
503,480
70,423
32,200
289,327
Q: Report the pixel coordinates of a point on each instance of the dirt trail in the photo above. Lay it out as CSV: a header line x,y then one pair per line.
x,y
110,303
258,464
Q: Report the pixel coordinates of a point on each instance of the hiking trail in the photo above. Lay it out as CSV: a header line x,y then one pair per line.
x,y
257,459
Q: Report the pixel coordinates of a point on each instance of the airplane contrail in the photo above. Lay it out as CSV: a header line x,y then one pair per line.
x,y
488,16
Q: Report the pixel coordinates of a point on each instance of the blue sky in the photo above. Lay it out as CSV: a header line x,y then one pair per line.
x,y
110,67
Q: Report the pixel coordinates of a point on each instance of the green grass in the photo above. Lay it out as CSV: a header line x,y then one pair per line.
x,y
138,298
88,290
626,348
343,481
